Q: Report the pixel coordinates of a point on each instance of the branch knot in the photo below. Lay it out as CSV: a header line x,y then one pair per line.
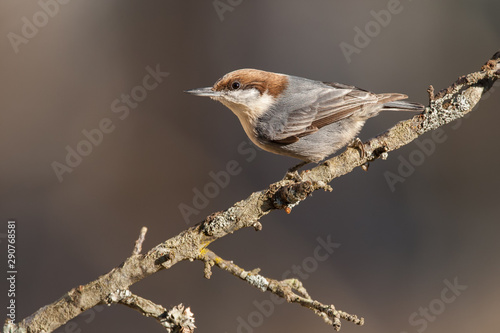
x,y
287,196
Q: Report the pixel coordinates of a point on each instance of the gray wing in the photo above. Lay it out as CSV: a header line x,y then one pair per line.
x,y
312,109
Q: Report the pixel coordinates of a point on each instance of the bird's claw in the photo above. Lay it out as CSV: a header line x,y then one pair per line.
x,y
293,175
358,144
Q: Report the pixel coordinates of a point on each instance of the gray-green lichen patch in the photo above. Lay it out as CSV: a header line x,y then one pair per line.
x,y
179,319
219,223
443,111
257,281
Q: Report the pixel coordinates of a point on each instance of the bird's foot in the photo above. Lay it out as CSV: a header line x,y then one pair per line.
x,y
297,167
293,174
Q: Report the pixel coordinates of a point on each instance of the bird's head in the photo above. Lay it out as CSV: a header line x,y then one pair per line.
x,y
247,92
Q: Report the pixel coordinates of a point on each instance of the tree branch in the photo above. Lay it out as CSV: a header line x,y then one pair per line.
x,y
177,320
191,244
139,241
284,289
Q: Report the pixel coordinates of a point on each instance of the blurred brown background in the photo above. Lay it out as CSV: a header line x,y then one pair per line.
x,y
396,247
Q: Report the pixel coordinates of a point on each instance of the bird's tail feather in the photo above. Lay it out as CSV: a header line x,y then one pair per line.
x,y
403,106
392,102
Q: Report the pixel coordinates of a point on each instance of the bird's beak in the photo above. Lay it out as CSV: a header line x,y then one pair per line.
x,y
208,92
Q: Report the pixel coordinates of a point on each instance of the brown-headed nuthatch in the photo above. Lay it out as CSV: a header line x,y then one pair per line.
x,y
298,117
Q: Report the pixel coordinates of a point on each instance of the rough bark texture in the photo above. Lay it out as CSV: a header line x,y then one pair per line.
x,y
444,107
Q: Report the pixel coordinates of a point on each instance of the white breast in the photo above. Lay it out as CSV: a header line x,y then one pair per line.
x,y
248,105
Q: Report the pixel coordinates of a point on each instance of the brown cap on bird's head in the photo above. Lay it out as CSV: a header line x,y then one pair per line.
x,y
247,78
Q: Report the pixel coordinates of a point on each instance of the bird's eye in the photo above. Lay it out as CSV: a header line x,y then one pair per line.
x,y
235,85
